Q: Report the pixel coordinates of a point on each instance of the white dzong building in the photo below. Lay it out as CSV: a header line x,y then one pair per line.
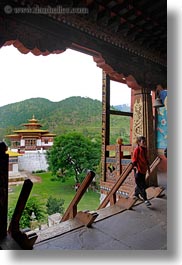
x,y
32,142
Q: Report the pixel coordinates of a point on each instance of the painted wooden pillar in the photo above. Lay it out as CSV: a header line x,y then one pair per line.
x,y
105,121
4,160
143,124
119,155
131,120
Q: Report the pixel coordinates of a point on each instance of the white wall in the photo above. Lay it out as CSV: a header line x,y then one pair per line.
x,y
22,142
32,162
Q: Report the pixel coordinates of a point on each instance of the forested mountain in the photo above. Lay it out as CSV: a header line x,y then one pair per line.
x,y
72,114
123,107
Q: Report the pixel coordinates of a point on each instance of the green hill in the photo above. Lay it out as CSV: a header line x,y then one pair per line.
x,y
72,114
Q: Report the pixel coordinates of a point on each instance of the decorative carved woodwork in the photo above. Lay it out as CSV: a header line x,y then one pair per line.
x,y
143,124
127,35
119,185
111,197
137,119
105,121
128,40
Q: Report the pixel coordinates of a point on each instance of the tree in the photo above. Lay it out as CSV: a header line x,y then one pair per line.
x,y
32,205
54,205
73,154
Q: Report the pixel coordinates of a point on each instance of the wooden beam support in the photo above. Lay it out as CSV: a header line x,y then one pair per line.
x,y
4,161
110,198
126,203
116,186
86,218
121,113
143,125
24,240
72,208
105,121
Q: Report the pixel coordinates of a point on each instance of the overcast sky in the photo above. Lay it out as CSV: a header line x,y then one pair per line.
x,y
55,77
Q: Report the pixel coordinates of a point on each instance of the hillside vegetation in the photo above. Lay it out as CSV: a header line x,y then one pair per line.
x,y
72,114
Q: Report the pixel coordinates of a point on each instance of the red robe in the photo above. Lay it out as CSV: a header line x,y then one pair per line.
x,y
140,159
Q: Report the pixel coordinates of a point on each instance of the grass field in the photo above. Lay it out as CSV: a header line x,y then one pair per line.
x,y
57,189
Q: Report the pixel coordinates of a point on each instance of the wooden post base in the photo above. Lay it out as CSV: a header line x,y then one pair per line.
x,y
87,218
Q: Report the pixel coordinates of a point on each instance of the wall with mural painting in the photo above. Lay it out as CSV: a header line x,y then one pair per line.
x,y
162,130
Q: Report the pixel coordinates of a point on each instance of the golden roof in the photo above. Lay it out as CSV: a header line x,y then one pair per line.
x,y
33,127
13,135
31,130
11,153
48,134
32,122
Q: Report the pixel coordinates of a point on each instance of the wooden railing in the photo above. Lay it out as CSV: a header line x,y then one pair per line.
x,y
72,208
111,196
24,240
27,242
115,155
154,164
14,226
122,147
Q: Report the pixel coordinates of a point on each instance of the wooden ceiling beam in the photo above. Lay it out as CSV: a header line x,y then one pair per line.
x,y
103,18
113,23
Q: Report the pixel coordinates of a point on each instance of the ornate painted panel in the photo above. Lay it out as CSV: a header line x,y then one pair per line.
x,y
162,128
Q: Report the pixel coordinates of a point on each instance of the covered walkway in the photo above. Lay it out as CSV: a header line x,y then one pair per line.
x,y
140,228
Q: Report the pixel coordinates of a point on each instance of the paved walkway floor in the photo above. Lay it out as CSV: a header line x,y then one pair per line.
x,y
140,228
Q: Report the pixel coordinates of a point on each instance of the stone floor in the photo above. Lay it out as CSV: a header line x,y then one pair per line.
x,y
141,228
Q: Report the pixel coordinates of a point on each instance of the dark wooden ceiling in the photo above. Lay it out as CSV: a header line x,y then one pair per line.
x,y
125,37
141,24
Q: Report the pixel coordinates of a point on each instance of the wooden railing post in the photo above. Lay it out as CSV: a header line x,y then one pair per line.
x,y
4,161
111,196
154,164
14,226
24,240
72,208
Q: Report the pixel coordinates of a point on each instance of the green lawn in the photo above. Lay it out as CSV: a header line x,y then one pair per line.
x,y
57,189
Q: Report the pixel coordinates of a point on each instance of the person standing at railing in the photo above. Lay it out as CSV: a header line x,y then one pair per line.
x,y
141,165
